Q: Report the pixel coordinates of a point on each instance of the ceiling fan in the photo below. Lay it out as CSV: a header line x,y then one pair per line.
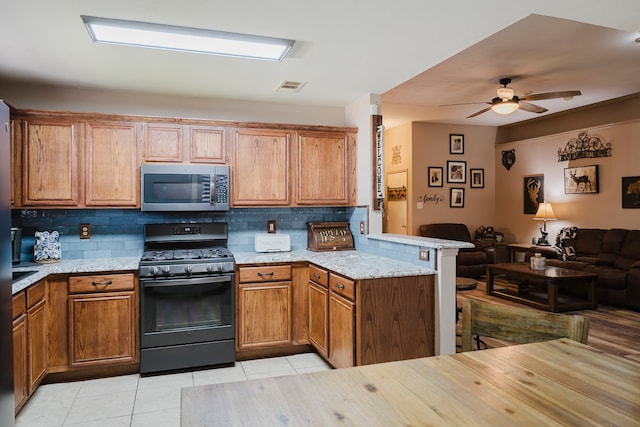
x,y
507,102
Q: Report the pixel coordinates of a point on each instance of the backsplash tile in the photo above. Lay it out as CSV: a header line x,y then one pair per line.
x,y
119,232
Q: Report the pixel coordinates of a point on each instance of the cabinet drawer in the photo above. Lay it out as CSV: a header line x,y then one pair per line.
x,y
101,283
319,276
35,294
19,304
265,274
342,286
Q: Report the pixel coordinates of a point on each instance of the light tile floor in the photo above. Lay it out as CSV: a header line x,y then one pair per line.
x,y
136,401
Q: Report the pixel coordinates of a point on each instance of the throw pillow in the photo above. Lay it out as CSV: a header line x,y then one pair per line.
x,y
566,243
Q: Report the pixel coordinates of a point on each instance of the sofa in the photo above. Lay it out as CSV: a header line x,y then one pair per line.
x,y
471,262
614,255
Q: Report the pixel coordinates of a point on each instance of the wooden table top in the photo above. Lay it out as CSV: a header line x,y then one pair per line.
x,y
548,272
554,383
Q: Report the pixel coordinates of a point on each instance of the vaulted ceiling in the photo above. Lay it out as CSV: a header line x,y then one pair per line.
x,y
417,54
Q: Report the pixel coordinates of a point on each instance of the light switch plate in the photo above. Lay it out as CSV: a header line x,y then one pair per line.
x,y
423,254
271,226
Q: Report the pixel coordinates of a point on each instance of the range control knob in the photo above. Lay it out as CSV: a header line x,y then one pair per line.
x,y
187,268
153,270
210,268
166,269
220,266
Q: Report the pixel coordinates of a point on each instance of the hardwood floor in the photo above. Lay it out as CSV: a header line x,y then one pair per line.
x,y
612,329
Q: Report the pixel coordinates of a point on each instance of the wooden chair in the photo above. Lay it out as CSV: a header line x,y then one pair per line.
x,y
518,325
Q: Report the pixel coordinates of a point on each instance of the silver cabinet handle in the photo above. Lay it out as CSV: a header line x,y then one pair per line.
x,y
340,286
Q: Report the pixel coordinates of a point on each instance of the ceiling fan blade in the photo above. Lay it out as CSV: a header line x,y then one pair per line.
x,y
464,103
479,112
527,106
552,95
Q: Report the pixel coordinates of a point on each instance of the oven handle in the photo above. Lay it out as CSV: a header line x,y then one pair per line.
x,y
185,282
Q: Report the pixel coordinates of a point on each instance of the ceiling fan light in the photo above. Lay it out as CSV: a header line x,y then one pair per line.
x,y
505,93
505,107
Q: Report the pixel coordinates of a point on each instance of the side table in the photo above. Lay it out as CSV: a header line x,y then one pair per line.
x,y
514,249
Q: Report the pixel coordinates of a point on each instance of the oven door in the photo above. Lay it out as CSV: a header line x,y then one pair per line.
x,y
186,310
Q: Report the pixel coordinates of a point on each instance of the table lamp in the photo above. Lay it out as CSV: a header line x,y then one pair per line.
x,y
545,213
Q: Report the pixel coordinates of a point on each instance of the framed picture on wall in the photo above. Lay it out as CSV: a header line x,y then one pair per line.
x,y
581,180
456,143
435,176
476,178
533,193
631,192
456,172
457,198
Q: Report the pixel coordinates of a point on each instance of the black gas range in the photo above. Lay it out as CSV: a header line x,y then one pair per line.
x,y
187,297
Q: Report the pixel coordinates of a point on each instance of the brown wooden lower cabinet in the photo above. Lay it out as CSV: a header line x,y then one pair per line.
x,y
102,320
29,341
20,352
264,306
360,322
341,331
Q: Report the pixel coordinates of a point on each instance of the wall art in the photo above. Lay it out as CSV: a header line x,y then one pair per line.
x,y
456,143
457,198
476,178
435,176
508,158
581,180
584,146
395,194
533,193
456,172
631,192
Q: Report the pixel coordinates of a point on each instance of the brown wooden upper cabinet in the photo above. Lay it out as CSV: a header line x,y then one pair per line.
x,y
324,165
318,168
51,158
58,161
260,171
176,143
112,177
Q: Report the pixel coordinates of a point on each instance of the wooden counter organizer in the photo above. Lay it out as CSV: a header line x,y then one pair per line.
x,y
329,236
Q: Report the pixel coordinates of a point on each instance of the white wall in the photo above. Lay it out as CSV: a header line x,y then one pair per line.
x,y
130,103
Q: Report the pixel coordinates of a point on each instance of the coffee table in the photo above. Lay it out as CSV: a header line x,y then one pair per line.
x,y
550,277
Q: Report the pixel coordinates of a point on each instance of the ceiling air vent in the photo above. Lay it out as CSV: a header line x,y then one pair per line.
x,y
289,86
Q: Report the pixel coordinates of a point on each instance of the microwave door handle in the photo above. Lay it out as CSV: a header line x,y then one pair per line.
x,y
212,189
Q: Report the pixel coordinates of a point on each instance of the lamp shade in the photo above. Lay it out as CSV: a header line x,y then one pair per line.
x,y
545,213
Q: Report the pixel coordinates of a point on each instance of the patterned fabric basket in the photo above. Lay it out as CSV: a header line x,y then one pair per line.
x,y
46,249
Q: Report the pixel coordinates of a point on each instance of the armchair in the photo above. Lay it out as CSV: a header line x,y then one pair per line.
x,y
471,262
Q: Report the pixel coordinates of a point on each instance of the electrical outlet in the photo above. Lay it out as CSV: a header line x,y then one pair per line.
x,y
85,231
423,254
271,226
361,227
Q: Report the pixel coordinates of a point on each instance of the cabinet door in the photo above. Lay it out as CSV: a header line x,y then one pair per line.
x,y
264,314
50,163
341,331
102,328
162,143
37,338
318,317
16,163
325,168
112,174
207,145
20,382
260,171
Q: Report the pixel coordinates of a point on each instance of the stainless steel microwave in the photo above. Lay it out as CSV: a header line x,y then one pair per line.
x,y
184,187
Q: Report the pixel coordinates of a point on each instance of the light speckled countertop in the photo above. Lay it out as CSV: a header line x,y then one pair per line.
x,y
72,266
353,264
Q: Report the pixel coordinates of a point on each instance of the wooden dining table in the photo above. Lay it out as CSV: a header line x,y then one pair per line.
x,y
553,383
